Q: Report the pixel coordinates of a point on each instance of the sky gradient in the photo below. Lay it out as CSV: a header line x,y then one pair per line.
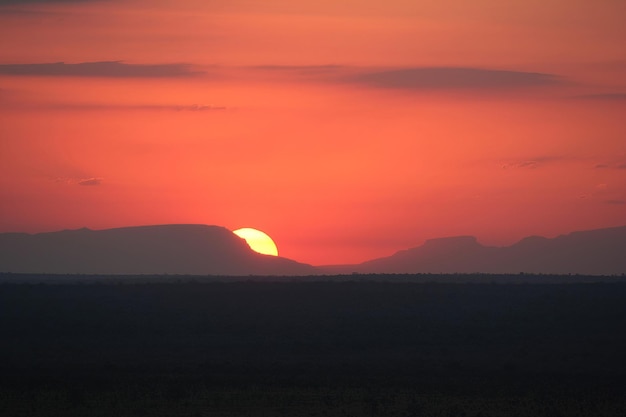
x,y
346,130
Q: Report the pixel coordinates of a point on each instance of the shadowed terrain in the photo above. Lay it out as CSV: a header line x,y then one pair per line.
x,y
214,250
596,252
164,249
352,348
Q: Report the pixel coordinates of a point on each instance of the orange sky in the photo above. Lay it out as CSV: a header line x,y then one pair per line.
x,y
346,130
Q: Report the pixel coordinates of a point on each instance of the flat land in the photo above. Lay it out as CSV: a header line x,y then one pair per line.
x,y
343,346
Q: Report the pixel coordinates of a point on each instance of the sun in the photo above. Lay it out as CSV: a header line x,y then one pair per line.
x,y
258,241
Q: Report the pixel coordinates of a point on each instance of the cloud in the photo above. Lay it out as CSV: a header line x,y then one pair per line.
x,y
616,202
139,107
606,97
193,107
532,163
527,164
300,73
114,69
606,166
22,2
452,78
29,7
90,181
304,69
75,180
8,101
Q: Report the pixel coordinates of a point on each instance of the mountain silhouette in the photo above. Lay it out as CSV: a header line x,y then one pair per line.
x,y
163,249
593,252
213,250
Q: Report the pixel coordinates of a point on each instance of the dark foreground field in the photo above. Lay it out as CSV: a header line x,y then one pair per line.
x,y
368,348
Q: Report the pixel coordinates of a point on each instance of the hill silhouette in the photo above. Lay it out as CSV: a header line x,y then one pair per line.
x,y
191,249
163,249
593,252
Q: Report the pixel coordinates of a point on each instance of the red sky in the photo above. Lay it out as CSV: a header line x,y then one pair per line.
x,y
346,130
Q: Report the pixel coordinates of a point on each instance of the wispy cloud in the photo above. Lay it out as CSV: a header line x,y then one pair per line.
x,y
303,69
532,163
90,181
418,78
452,78
605,96
616,202
11,100
525,164
31,7
610,166
23,2
75,180
138,107
114,69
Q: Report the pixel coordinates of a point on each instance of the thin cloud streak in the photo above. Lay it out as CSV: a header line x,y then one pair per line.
x,y
140,107
305,69
432,78
415,78
87,181
90,182
534,163
610,166
112,69
605,96
198,108
23,2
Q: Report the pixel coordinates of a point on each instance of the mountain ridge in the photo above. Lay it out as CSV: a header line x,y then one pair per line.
x,y
194,249
155,249
593,252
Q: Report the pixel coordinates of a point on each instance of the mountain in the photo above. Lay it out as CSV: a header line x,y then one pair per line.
x,y
164,249
593,252
213,250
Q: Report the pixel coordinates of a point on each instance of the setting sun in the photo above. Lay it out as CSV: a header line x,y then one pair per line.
x,y
258,241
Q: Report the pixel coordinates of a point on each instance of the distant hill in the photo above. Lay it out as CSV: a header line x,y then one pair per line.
x,y
163,249
593,252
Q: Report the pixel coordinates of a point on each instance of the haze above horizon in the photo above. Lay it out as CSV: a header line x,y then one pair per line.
x,y
345,130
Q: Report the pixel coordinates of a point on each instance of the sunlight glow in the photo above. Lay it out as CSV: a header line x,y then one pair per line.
x,y
258,241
